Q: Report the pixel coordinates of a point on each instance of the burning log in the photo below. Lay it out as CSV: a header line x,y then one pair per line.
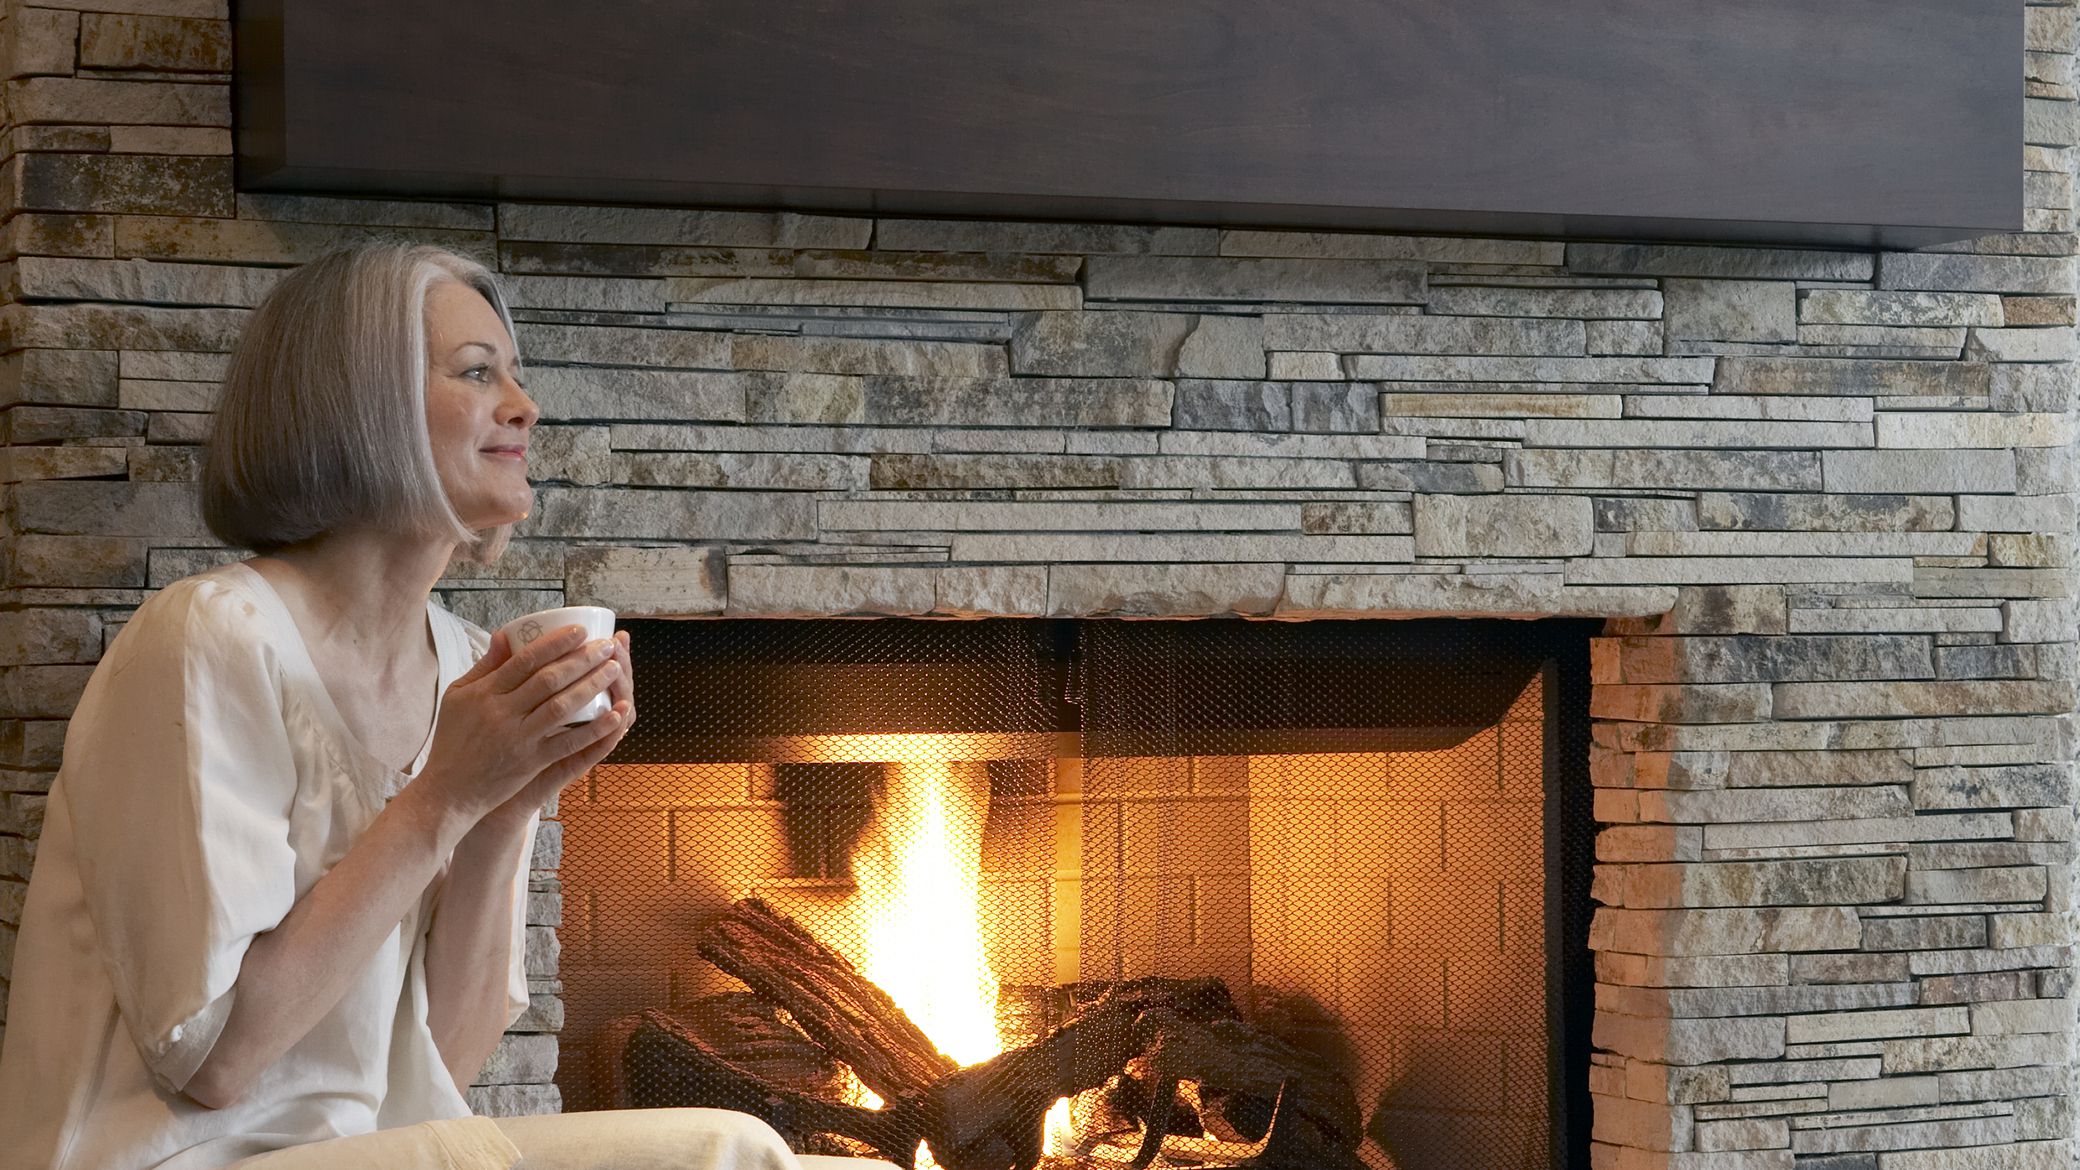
x,y
669,1064
992,1116
1241,1072
837,1006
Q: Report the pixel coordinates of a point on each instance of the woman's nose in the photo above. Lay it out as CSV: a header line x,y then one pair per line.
x,y
520,409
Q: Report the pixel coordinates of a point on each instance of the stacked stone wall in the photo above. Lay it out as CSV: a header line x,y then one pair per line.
x,y
1824,498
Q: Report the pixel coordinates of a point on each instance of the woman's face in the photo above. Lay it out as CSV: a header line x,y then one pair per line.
x,y
477,415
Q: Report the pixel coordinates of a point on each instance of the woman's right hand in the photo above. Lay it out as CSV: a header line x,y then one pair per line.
x,y
507,719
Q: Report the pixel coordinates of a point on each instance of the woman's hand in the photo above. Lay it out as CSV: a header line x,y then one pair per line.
x,y
556,776
503,725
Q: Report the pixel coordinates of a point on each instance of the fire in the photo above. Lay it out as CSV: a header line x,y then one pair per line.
x,y
919,901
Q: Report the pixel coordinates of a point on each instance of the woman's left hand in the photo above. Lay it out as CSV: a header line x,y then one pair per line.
x,y
557,776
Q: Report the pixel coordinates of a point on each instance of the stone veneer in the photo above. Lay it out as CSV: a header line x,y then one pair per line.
x,y
1824,499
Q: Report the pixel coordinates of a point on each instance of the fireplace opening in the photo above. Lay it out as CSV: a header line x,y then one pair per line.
x,y
1086,893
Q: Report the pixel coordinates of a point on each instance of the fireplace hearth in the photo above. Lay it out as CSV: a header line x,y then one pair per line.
x,y
1085,893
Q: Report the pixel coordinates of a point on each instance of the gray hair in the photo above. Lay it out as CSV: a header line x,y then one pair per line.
x,y
322,422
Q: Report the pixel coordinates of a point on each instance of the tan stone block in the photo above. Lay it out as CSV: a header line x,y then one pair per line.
x,y
127,183
199,140
992,590
1169,590
829,590
174,237
159,43
39,40
646,582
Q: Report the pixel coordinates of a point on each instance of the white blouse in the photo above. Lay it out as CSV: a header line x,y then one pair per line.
x,y
208,781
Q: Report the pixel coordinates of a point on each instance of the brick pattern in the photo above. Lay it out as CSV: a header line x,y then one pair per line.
x,y
1825,499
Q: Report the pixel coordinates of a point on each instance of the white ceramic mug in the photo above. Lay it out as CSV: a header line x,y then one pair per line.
x,y
598,622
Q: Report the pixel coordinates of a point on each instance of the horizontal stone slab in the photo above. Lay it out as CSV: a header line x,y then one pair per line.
x,y
1725,931
1582,304
610,394
1627,370
1742,805
970,235
646,582
243,241
1208,278
1722,262
1503,526
665,514
2050,344
1852,376
1421,334
607,345
1863,831
141,281
1171,547
1793,882
915,294
1507,406
2015,786
1970,273
820,590
1244,444
1882,700
752,470
1898,620
89,326
657,225
1949,430
1055,516
1918,471
844,355
1722,543
1014,402
1672,469
1369,246
1697,433
1836,306
1731,310
1836,1027
103,508
1168,590
1738,570
1831,513
1362,594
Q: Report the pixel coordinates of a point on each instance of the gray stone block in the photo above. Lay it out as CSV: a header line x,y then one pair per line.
x,y
601,394
1718,262
1167,590
1208,278
1834,512
1120,344
1960,273
1335,408
1233,405
1731,310
1918,471
1830,306
1503,526
1582,304
646,582
1421,334
1852,376
1223,347
661,225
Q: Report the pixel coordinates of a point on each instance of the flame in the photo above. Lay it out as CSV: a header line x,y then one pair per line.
x,y
918,901
918,904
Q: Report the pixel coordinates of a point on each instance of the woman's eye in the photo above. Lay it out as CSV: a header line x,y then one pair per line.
x,y
477,373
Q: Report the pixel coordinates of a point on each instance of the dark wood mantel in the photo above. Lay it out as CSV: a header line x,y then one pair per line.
x,y
1849,122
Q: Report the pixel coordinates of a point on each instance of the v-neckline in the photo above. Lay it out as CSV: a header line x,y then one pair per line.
x,y
394,779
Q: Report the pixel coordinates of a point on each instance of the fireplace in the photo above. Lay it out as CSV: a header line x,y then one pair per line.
x,y
1332,877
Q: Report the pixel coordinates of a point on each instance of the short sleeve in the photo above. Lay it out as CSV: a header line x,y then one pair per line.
x,y
179,777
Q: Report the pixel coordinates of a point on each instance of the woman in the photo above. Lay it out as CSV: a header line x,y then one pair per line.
x,y
278,897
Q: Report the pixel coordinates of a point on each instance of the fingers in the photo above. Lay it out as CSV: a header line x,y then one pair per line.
x,y
559,690
516,671
625,686
602,733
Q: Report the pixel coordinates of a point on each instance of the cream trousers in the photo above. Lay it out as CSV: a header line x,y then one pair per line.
x,y
630,1139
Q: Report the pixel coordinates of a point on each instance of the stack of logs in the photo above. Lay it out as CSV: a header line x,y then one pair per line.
x,y
776,1053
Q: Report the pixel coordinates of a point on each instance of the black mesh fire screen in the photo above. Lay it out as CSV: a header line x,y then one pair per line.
x,y
1083,893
